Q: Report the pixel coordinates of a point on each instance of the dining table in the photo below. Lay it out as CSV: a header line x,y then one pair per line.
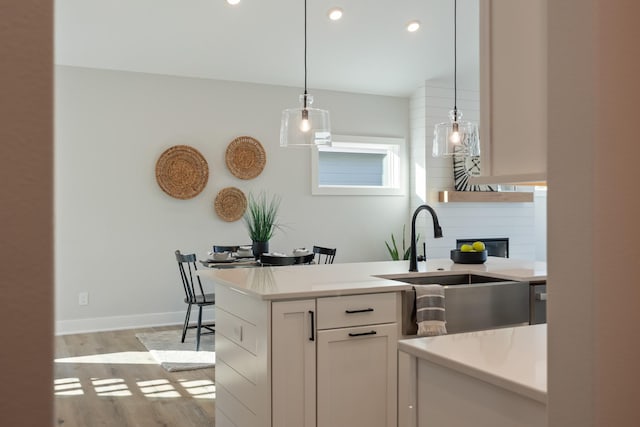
x,y
235,261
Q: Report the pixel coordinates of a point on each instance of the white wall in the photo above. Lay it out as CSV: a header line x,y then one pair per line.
x,y
517,221
116,230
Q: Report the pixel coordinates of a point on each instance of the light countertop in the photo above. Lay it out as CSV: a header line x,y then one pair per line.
x,y
511,358
310,281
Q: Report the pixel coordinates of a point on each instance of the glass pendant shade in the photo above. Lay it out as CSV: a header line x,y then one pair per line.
x,y
456,137
305,126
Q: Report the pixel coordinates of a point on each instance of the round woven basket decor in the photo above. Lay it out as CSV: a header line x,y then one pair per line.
x,y
182,172
245,157
230,204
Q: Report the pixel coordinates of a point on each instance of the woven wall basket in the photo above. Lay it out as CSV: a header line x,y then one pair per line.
x,y
245,157
230,204
182,172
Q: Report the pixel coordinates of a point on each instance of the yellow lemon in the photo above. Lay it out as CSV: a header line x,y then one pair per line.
x,y
478,246
466,248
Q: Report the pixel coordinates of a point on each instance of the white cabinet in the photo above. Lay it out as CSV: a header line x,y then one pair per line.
x,y
293,368
303,363
357,360
513,90
357,370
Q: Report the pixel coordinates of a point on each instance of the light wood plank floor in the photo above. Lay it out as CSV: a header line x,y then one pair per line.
x,y
90,392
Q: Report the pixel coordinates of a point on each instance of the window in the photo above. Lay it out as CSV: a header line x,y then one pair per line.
x,y
358,165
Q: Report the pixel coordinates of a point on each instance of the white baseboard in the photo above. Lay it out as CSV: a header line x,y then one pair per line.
x,y
113,323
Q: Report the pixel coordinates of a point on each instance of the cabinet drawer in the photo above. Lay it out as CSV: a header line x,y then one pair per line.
x,y
237,330
356,310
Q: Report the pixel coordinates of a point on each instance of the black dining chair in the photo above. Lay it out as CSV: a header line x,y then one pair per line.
x,y
194,295
324,255
271,260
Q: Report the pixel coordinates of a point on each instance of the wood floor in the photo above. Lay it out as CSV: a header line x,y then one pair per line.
x,y
106,379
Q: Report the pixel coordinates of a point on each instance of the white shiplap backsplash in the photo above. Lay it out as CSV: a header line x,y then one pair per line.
x,y
517,221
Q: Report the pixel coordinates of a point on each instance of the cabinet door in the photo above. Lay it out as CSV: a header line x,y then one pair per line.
x,y
357,376
293,363
513,89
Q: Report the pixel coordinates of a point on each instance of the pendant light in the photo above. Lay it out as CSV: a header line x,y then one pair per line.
x,y
455,137
305,126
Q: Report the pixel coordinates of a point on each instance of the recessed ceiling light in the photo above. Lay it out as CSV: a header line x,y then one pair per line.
x,y
413,26
233,2
335,13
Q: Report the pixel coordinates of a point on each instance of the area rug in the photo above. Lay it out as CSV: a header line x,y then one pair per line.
x,y
173,355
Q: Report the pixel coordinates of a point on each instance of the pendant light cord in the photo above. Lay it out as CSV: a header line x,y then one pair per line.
x,y
455,60
305,54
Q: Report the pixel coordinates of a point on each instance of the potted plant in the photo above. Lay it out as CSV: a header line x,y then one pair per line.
x,y
261,218
395,252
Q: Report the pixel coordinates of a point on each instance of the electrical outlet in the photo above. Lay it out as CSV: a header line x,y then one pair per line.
x,y
83,298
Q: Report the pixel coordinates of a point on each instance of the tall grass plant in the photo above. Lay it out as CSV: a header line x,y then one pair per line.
x,y
261,216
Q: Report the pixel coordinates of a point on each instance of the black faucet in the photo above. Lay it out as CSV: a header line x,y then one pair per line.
x,y
437,233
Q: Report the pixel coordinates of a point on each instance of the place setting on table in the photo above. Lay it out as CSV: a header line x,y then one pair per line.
x,y
232,256
297,256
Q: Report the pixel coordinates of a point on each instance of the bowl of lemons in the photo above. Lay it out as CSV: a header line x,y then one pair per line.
x,y
475,253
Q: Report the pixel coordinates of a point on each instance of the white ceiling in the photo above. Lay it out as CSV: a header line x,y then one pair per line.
x,y
261,41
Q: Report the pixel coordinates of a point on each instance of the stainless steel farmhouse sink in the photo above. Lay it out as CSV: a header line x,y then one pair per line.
x,y
472,302
449,279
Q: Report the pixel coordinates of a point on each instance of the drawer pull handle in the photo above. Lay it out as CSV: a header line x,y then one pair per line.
x,y
351,334
364,310
312,337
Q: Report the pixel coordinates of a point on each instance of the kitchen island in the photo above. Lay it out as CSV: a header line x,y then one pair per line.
x,y
316,345
301,281
494,378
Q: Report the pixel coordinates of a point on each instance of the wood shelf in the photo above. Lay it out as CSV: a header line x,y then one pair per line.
x,y
485,197
531,179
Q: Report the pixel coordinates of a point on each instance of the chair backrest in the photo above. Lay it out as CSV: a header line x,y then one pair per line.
x,y
190,280
496,246
219,249
276,260
324,255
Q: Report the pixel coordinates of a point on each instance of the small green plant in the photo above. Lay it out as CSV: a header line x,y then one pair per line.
x,y
261,216
393,248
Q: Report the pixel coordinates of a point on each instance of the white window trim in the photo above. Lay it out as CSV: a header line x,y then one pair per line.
x,y
375,144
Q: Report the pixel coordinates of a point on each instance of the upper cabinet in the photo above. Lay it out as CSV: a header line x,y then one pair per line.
x,y
513,91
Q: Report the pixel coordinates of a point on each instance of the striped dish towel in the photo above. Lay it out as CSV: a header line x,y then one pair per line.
x,y
430,310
